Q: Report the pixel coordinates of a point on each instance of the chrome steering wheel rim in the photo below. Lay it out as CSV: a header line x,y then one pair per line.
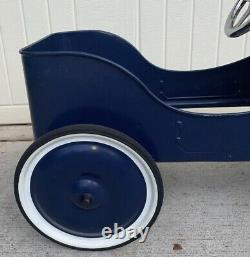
x,y
242,26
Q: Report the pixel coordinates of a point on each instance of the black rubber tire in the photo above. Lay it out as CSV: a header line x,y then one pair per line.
x,y
90,129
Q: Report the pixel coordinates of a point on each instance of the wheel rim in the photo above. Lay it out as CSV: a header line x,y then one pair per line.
x,y
24,190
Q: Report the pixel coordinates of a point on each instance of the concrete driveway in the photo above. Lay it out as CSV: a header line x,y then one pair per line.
x,y
206,212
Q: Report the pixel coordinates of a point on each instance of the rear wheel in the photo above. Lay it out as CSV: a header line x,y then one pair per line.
x,y
74,181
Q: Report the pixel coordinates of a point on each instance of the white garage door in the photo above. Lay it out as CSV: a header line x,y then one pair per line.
x,y
176,34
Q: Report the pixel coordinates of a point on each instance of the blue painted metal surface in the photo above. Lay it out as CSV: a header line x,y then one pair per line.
x,y
62,178
96,77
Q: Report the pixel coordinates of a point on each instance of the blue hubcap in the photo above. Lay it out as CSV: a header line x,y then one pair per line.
x,y
84,186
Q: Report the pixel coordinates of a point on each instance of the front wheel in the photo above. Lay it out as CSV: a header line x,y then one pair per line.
x,y
77,181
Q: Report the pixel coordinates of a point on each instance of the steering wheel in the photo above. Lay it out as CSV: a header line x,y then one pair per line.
x,y
234,27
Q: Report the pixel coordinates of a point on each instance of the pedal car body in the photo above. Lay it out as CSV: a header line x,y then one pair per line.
x,y
94,77
102,115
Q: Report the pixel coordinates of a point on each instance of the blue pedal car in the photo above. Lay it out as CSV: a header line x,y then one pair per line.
x,y
102,116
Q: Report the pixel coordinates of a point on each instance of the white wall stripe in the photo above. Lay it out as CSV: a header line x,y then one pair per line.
x,y
244,46
35,13
247,46
165,10
23,22
48,15
6,71
218,33
13,39
190,63
138,24
74,14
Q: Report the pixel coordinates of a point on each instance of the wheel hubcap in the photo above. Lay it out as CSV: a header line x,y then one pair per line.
x,y
88,193
74,185
88,187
